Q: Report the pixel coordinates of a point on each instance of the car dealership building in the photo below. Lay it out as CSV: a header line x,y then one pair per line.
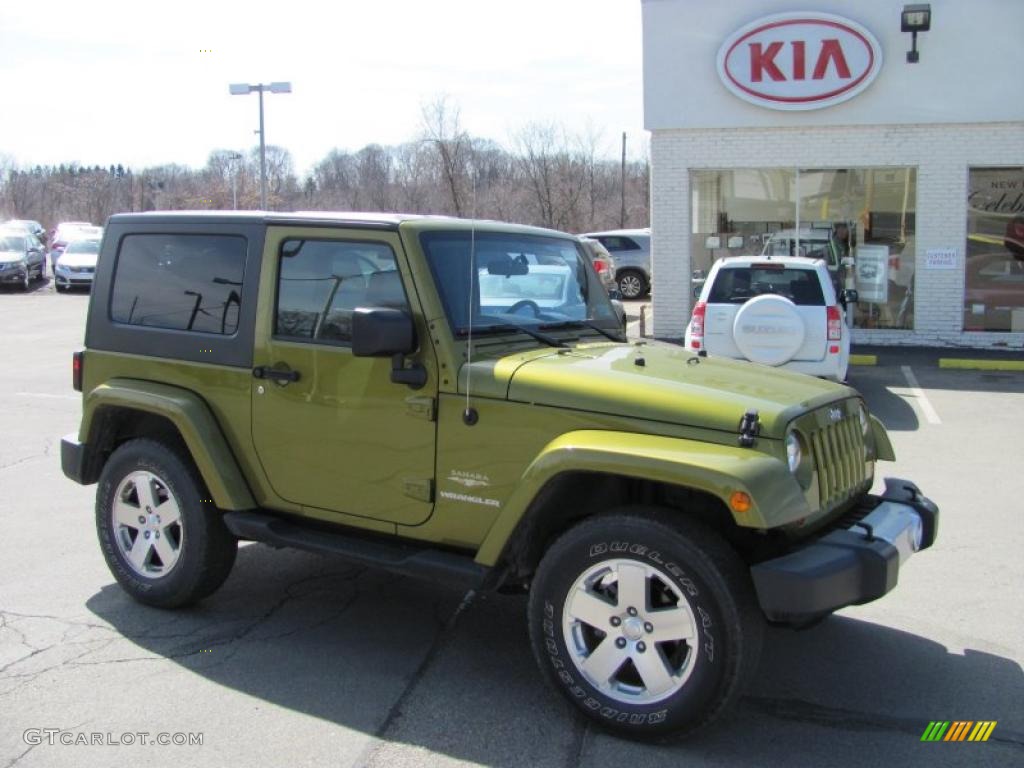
x,y
894,133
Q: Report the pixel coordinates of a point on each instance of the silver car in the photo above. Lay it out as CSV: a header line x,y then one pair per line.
x,y
631,249
77,264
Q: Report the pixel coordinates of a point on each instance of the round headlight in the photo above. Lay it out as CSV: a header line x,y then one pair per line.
x,y
793,453
865,423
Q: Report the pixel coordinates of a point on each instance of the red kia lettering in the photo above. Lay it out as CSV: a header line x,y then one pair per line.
x,y
762,61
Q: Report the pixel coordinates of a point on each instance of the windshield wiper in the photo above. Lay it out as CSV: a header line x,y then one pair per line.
x,y
551,341
585,324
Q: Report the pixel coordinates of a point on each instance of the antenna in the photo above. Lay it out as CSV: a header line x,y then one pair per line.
x,y
470,416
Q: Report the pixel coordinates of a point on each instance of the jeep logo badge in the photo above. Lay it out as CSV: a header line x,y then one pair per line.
x,y
793,61
834,414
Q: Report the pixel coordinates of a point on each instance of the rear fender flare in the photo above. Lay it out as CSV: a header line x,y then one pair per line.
x,y
196,424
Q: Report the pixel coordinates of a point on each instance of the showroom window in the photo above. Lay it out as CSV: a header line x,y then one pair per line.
x,y
994,267
859,220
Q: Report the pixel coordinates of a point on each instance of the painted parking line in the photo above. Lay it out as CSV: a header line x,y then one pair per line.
x,y
920,397
47,395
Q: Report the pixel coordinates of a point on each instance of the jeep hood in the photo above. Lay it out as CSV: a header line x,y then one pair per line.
x,y
657,382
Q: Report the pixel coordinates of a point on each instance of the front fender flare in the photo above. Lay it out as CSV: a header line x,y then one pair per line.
x,y
719,470
195,423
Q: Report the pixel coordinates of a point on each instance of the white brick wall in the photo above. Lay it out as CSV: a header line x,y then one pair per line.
x,y
942,155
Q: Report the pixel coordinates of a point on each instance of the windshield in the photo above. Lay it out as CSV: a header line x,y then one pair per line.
x,y
83,246
517,280
12,243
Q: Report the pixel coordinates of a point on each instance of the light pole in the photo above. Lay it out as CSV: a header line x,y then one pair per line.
x,y
242,89
234,157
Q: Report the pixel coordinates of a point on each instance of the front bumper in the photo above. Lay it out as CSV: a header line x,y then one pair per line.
x,y
852,565
13,273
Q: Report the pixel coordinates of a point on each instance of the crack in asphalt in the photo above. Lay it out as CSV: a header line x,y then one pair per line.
x,y
292,591
445,631
16,462
581,730
801,711
17,759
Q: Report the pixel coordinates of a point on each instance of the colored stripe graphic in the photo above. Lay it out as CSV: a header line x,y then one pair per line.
x,y
958,731
983,730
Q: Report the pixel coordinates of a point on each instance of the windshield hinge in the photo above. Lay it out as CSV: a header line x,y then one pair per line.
x,y
421,407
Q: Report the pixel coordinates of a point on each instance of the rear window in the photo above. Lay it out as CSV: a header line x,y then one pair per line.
x,y
735,285
179,282
618,243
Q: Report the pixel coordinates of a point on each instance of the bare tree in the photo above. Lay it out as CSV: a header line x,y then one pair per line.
x,y
443,131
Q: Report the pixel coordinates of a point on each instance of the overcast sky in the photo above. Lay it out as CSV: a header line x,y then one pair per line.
x,y
144,83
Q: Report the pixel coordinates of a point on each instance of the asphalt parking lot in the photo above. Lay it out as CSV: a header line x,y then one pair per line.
x,y
301,660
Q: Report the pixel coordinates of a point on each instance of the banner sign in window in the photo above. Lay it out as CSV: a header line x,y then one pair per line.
x,y
872,273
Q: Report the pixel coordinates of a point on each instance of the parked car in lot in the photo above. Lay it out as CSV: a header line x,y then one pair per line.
x,y
21,258
77,265
814,243
457,401
631,249
603,262
780,311
67,231
29,225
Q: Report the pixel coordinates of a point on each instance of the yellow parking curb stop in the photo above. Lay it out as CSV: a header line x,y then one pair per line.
x,y
981,365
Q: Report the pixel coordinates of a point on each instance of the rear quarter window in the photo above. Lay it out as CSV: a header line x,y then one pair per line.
x,y
735,285
179,282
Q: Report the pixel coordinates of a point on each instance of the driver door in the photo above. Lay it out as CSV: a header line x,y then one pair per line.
x,y
331,430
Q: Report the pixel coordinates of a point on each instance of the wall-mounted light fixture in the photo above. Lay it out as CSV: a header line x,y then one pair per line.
x,y
915,18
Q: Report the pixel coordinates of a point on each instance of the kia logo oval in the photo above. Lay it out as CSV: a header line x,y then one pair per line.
x,y
795,61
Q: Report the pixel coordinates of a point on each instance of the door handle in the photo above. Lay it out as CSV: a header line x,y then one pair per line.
x,y
281,376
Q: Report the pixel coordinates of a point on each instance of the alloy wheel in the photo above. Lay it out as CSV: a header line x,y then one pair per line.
x,y
146,519
630,631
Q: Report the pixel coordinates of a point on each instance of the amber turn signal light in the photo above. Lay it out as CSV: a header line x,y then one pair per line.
x,y
740,502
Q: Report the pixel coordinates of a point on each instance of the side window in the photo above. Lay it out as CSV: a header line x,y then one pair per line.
x,y
179,282
321,282
617,243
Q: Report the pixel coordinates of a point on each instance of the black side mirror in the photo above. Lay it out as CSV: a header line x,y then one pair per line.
x,y
848,296
378,332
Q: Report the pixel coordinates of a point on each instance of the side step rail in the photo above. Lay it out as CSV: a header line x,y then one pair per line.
x,y
432,564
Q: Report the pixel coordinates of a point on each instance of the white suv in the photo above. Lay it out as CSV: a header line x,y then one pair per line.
x,y
777,311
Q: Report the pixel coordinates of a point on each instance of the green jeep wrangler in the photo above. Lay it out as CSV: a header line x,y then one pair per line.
x,y
456,400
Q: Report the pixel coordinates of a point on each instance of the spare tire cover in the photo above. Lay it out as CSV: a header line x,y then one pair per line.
x,y
768,329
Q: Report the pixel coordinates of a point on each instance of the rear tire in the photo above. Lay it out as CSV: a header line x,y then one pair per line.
x,y
162,538
646,621
632,284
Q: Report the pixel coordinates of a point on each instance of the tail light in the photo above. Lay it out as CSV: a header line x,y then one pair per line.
x,y
600,266
835,324
77,363
697,325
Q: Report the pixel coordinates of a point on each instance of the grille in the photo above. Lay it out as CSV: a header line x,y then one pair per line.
x,y
838,451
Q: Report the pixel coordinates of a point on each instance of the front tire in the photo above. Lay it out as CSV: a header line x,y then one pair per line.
x,y
645,621
163,540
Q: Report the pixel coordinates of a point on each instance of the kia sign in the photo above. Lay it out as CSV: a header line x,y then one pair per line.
x,y
799,61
